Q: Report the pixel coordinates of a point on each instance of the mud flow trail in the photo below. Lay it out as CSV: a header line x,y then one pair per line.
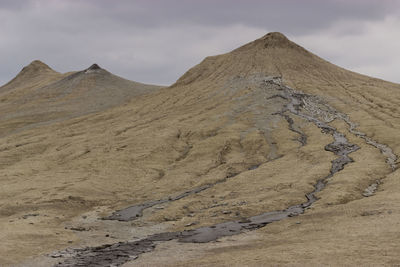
x,y
317,108
298,104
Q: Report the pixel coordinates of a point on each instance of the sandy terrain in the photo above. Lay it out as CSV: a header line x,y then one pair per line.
x,y
217,126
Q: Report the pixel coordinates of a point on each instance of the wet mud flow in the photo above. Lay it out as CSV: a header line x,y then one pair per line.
x,y
302,105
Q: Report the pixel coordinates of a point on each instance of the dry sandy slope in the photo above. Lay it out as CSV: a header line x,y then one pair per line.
x,y
39,95
214,122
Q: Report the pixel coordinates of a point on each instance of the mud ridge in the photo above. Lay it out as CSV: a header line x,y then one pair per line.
x,y
317,107
391,158
134,212
302,139
119,253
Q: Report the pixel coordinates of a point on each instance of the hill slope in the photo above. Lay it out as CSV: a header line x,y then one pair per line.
x,y
265,134
39,95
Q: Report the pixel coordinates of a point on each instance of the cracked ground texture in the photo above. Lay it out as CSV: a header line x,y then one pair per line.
x,y
215,122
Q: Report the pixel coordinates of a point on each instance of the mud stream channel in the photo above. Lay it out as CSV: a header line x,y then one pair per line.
x,y
299,104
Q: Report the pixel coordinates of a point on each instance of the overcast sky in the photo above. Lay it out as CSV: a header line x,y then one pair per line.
x,y
156,41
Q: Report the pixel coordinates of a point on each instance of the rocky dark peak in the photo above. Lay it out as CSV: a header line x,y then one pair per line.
x,y
94,67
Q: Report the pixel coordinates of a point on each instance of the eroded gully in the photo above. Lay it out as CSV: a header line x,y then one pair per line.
x,y
299,104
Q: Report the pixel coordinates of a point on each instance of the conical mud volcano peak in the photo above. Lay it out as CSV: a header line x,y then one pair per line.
x,y
39,64
94,67
272,40
275,37
33,74
36,66
270,55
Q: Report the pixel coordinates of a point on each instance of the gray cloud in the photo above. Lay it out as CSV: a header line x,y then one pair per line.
x,y
290,16
156,41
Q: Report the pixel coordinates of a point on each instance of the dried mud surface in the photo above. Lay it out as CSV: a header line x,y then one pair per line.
x,y
189,174
299,104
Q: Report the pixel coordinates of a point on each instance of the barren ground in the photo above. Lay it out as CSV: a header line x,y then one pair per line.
x,y
218,127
